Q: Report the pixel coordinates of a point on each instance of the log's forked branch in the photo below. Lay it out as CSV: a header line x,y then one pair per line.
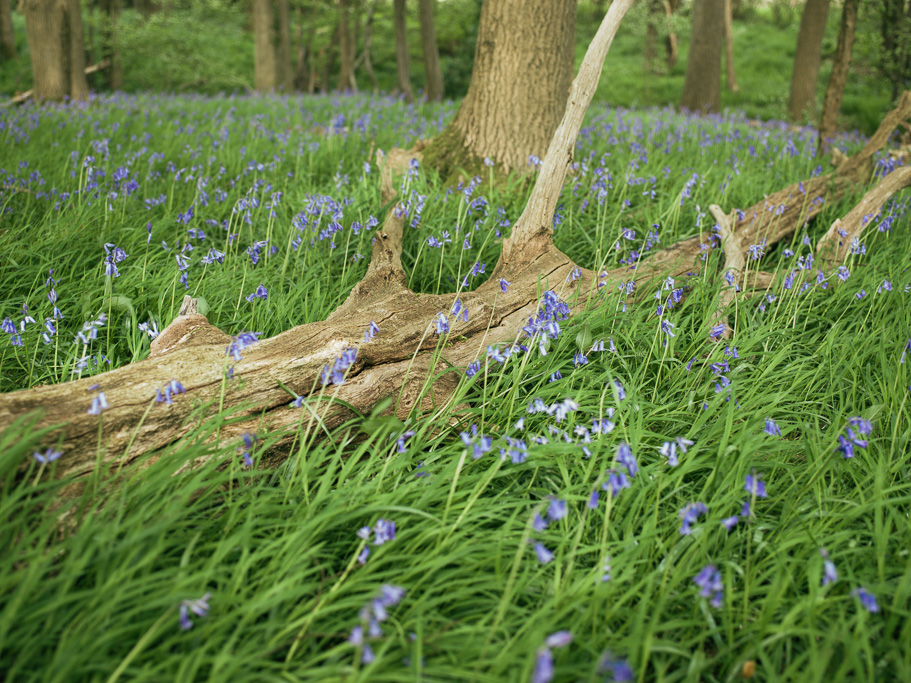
x,y
734,264
836,243
532,230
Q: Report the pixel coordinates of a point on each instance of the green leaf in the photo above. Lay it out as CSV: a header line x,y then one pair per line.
x,y
584,338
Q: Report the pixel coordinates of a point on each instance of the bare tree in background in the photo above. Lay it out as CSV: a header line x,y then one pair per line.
x,y
111,9
523,68
345,48
263,46
702,87
7,39
364,58
729,47
806,59
433,88
284,74
836,89
57,48
401,49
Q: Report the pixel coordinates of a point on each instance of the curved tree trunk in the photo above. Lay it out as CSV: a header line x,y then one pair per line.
x,y
7,38
670,41
57,48
729,47
836,89
111,49
433,89
702,87
522,71
806,59
364,57
263,46
284,67
403,63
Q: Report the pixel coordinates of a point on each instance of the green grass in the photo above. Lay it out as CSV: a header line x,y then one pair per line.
x,y
92,590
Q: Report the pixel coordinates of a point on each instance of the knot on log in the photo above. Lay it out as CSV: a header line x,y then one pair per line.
x,y
188,329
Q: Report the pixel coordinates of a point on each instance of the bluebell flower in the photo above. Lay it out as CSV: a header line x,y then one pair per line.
x,y
383,531
198,607
441,323
370,333
771,428
544,555
710,585
830,573
539,524
400,442
867,599
504,285
626,458
616,482
556,510
580,359
559,639
473,368
544,666
260,293
717,331
172,388
250,441
730,522
240,342
755,486
99,404
49,455
554,376
690,514
619,670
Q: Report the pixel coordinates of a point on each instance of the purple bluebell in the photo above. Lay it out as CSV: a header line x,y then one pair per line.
x,y
240,342
504,285
370,333
259,293
690,515
619,670
473,368
544,666
383,531
867,599
730,522
626,458
710,585
99,404
400,442
771,428
441,323
544,555
199,607
830,573
556,510
49,455
616,482
755,486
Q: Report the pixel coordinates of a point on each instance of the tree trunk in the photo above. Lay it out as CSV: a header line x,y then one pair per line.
x,y
729,46
7,38
57,49
670,41
401,50
433,89
364,57
111,49
895,55
702,87
263,46
836,90
285,69
522,71
656,12
806,59
345,48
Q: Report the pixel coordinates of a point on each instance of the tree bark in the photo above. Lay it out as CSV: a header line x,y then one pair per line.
x,y
433,89
7,38
111,46
659,12
522,71
345,48
806,59
702,86
403,63
57,49
364,57
836,89
670,41
284,66
263,46
729,47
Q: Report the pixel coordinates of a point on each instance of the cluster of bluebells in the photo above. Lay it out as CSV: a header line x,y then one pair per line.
x,y
371,616
855,429
171,389
544,658
669,449
755,486
710,585
556,510
383,532
616,479
250,441
336,374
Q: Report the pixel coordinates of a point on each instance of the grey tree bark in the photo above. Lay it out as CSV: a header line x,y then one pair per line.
x,y
7,38
702,87
57,49
433,88
263,46
802,102
284,75
402,60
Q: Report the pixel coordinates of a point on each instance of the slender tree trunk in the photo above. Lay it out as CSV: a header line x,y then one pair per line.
x,y
702,87
836,90
285,69
434,76
329,51
806,59
111,49
346,48
7,38
656,13
401,50
364,57
263,46
523,68
670,41
729,46
57,49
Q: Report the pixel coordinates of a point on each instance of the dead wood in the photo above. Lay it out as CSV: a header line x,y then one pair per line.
x,y
27,95
407,360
